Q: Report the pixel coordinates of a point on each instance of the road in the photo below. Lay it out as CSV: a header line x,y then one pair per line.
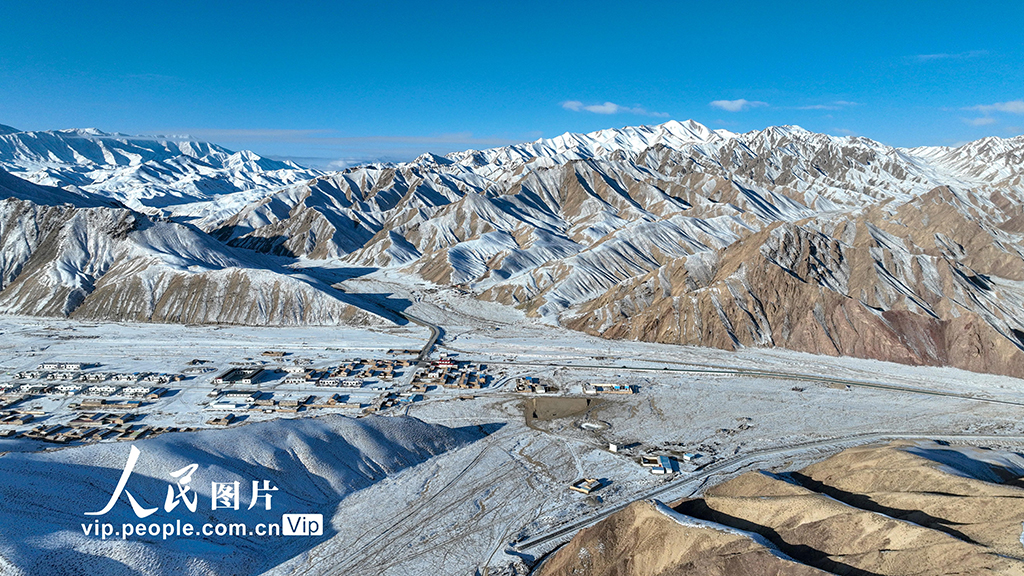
x,y
435,330
435,334
749,372
688,485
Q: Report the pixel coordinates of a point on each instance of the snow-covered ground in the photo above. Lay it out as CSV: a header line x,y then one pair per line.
x,y
25,343
306,467
459,510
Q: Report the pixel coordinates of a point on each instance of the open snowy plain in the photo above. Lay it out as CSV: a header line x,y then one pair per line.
x,y
459,481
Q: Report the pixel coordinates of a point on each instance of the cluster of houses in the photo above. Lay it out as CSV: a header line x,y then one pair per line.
x,y
303,376
532,385
97,416
68,379
233,401
367,369
86,426
350,375
66,366
389,399
105,401
451,374
11,416
254,400
103,427
77,387
608,389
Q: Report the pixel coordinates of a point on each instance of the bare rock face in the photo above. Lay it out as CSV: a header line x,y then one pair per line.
x,y
904,509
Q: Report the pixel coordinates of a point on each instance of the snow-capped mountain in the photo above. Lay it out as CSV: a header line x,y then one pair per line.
x,y
152,175
681,234
77,254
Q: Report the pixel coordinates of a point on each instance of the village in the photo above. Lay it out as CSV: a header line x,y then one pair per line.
x,y
72,402
66,402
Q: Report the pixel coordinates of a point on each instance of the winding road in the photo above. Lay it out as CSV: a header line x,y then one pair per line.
x,y
690,483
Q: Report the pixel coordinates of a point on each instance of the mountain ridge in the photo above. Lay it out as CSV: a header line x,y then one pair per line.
x,y
149,174
679,234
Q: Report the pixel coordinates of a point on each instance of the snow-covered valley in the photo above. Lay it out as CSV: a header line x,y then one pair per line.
x,y
728,301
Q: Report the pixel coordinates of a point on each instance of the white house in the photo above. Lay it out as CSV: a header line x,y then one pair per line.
x,y
135,391
68,389
103,390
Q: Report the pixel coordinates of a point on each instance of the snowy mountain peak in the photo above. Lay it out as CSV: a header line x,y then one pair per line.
x,y
786,130
89,133
630,140
691,129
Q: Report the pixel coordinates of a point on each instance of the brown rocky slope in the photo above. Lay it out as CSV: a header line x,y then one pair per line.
x,y
908,509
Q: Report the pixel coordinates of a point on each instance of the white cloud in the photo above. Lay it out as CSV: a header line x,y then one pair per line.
x,y
830,106
610,108
606,108
983,121
736,105
844,131
1012,107
949,56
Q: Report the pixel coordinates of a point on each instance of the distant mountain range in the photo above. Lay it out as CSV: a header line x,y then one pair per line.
x,y
672,233
142,172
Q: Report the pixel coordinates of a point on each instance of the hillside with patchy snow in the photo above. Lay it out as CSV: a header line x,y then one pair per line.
x,y
672,233
66,254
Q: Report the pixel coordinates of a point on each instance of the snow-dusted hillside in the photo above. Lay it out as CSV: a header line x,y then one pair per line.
x,y
313,462
13,187
66,254
656,233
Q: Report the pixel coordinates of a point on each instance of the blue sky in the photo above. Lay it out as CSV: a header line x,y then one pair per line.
x,y
343,80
